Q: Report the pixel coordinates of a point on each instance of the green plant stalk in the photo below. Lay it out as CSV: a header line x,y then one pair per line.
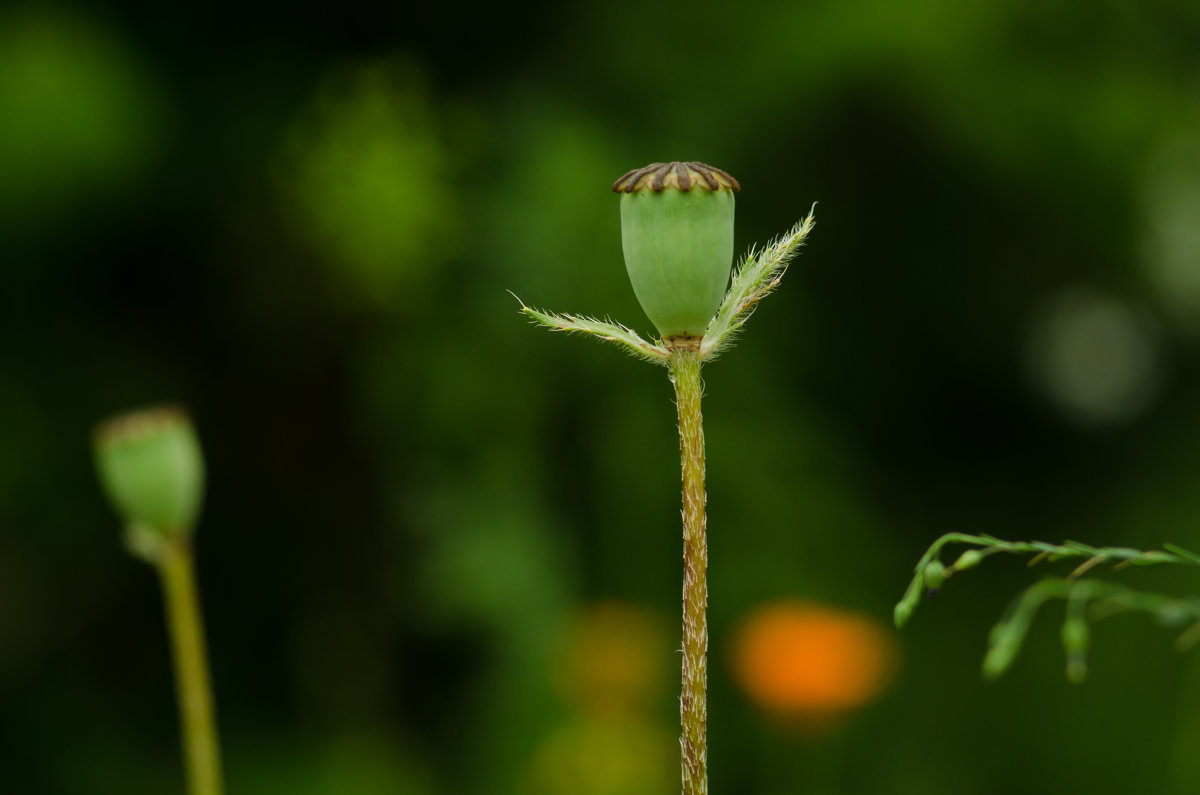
x,y
758,276
201,751
684,369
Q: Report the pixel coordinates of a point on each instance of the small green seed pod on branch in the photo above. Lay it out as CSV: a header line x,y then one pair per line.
x,y
1008,635
969,559
1075,638
677,236
935,575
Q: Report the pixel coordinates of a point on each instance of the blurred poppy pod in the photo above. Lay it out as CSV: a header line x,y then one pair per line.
x,y
151,468
677,235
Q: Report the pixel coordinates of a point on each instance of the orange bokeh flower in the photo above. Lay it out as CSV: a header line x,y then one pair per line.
x,y
803,659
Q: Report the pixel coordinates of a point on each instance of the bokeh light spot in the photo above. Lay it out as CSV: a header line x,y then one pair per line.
x,y
1095,357
801,659
78,115
1171,246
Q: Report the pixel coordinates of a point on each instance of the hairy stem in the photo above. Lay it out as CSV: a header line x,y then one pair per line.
x,y
685,375
200,748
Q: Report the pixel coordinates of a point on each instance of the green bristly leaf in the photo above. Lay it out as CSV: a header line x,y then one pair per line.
x,y
624,337
757,277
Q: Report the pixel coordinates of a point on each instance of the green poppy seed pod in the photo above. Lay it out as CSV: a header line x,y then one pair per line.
x,y
151,468
677,235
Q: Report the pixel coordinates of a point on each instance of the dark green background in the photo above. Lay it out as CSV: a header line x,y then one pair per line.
x,y
301,220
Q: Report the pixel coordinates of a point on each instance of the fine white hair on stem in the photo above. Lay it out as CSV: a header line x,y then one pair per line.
x,y
757,277
622,336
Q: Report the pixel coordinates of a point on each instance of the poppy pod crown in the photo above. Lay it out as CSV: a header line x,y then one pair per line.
x,y
677,237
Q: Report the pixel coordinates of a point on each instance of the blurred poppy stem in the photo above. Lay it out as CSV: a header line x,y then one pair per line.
x,y
684,370
201,750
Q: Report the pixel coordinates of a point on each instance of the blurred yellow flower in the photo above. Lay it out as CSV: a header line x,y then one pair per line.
x,y
608,756
612,665
614,660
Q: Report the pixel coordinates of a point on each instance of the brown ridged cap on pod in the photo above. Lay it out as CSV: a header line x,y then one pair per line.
x,y
659,176
135,425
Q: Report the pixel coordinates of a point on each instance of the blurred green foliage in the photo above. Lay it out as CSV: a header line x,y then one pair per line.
x,y
303,224
368,177
81,115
